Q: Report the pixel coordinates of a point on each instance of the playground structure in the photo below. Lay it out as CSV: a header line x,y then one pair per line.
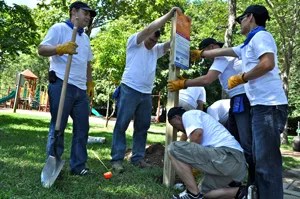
x,y
29,95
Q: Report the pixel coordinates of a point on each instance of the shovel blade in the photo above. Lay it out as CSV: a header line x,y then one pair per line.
x,y
51,171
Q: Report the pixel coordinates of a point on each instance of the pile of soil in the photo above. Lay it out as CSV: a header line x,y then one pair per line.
x,y
154,154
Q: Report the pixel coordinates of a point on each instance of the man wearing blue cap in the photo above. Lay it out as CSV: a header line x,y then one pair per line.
x,y
57,45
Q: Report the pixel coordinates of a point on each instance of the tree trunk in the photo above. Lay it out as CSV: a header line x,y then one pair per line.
x,y
231,23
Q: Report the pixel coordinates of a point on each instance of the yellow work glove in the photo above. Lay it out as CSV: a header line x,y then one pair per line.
x,y
236,80
66,48
90,89
175,85
195,55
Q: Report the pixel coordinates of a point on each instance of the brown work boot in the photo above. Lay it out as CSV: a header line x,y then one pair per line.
x,y
142,164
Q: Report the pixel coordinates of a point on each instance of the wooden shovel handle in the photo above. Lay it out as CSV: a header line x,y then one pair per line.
x,y
65,82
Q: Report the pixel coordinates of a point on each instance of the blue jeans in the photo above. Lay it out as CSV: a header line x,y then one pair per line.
x,y
76,105
267,125
239,125
131,105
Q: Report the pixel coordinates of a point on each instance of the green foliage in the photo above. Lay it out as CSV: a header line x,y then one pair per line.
x,y
117,20
109,48
47,15
17,34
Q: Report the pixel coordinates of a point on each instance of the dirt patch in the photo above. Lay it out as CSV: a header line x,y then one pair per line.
x,y
154,154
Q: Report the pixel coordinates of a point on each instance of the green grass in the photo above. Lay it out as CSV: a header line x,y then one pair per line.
x,y
22,157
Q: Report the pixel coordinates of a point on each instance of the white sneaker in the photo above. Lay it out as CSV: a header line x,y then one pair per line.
x,y
252,192
185,195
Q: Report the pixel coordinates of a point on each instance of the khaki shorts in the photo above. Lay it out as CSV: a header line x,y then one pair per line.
x,y
220,165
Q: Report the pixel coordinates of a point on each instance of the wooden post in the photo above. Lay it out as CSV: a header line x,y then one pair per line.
x,y
17,92
171,134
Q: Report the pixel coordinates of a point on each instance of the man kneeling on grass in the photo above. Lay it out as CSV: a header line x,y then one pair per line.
x,y
212,150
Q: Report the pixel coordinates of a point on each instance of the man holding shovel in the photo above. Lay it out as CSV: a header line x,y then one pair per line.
x,y
58,46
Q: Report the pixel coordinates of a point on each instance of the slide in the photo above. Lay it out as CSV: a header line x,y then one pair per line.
x,y
8,97
96,113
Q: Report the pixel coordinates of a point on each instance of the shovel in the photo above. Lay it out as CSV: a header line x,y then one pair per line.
x,y
54,164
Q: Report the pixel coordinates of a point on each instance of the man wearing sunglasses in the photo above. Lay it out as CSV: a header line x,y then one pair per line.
x,y
135,101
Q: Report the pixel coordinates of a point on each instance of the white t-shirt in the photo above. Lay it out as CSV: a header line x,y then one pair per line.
x,y
58,34
228,66
140,66
267,89
214,133
191,95
219,110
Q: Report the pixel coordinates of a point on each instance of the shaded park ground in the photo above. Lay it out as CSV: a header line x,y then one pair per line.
x,y
22,144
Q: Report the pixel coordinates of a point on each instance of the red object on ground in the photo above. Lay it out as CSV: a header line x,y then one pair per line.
x,y
107,175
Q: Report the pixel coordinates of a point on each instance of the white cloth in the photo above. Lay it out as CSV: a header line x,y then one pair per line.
x,y
228,66
219,110
192,95
58,34
267,89
214,133
140,66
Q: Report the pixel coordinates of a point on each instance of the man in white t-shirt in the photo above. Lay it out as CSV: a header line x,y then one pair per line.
x,y
223,67
134,100
265,91
57,45
219,110
192,98
212,150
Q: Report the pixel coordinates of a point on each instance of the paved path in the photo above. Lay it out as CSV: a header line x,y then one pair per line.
x,y
291,183
291,178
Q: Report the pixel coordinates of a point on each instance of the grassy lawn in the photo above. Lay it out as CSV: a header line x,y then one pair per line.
x,y
22,157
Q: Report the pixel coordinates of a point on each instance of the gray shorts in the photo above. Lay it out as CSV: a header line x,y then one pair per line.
x,y
220,165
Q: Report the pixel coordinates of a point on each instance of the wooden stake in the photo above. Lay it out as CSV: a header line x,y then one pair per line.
x,y
171,134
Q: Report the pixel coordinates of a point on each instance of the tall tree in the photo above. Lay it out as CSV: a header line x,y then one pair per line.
x,y
17,34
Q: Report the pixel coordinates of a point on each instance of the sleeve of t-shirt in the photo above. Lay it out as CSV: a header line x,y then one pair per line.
x,y
52,38
267,46
132,41
237,50
160,49
202,95
219,64
188,120
90,56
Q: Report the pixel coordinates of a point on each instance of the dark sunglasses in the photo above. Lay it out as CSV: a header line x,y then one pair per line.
x,y
242,18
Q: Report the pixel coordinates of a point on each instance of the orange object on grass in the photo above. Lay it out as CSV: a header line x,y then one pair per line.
x,y
107,175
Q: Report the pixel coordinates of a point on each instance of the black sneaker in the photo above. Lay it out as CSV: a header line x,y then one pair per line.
x,y
83,172
185,195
